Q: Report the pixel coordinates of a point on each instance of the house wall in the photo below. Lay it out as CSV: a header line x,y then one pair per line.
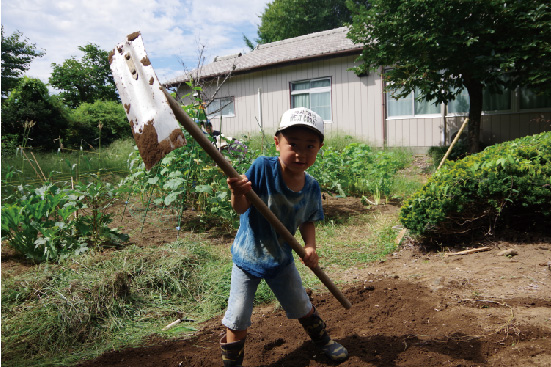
x,y
418,133
498,128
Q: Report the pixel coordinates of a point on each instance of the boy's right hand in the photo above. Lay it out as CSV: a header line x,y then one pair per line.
x,y
239,186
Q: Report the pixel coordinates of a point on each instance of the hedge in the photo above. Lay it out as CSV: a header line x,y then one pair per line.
x,y
506,185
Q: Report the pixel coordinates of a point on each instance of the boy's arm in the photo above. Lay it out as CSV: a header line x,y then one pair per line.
x,y
239,187
308,232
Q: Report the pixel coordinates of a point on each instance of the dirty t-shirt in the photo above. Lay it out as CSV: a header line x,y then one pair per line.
x,y
258,248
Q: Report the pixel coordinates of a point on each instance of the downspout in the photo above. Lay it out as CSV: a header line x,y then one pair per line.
x,y
260,110
443,138
259,120
383,96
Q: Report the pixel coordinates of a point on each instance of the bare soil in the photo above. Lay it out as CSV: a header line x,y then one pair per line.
x,y
416,308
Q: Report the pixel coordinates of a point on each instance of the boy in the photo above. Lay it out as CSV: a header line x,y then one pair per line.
x,y
259,253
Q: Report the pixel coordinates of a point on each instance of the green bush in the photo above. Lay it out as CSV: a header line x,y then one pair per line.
x,y
88,117
459,151
508,184
188,178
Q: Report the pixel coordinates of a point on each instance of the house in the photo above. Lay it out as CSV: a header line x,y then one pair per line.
x,y
254,89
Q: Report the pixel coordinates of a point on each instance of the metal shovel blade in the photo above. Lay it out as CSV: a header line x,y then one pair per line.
x,y
155,129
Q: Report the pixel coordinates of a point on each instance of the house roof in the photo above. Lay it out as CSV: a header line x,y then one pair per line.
x,y
307,47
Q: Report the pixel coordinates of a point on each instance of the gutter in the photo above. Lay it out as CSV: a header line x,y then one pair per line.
x,y
383,96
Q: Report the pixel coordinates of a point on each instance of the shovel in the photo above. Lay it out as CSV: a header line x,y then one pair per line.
x,y
154,115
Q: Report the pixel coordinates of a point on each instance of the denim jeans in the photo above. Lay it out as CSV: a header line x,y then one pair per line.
x,y
286,285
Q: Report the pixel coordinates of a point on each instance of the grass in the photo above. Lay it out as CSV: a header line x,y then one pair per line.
x,y
101,301
65,166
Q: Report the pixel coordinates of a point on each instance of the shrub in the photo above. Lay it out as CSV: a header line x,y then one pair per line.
x,y
88,117
459,151
506,184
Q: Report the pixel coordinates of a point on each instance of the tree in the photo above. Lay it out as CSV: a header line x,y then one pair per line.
x,y
30,107
17,55
440,47
86,80
284,19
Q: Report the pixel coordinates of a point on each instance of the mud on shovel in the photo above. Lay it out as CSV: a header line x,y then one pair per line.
x,y
154,115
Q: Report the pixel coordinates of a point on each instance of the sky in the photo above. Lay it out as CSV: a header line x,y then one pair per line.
x,y
173,31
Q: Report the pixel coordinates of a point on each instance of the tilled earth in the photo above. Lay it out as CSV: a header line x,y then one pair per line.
x,y
414,309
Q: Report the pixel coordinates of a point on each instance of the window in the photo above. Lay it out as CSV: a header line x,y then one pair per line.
x,y
460,104
496,101
314,94
530,100
221,107
491,101
409,106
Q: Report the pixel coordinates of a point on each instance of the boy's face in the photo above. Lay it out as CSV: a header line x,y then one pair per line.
x,y
298,148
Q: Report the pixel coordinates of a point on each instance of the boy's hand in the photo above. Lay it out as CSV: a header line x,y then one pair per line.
x,y
311,257
239,186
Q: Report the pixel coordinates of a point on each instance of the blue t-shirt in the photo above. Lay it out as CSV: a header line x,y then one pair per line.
x,y
258,248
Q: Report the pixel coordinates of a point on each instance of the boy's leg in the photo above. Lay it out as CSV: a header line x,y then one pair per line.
x,y
288,289
238,316
232,352
287,286
316,329
235,335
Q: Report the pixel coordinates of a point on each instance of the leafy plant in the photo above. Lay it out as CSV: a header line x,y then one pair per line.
x,y
188,177
49,223
31,101
39,224
506,184
357,169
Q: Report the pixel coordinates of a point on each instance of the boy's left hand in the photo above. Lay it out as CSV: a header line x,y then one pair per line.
x,y
311,257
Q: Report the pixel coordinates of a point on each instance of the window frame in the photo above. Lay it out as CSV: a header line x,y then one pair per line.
x,y
514,106
411,95
316,90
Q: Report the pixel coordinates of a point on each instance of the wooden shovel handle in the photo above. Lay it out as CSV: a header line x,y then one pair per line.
x,y
228,169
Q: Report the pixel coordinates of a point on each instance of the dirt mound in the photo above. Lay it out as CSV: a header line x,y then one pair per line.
x,y
415,309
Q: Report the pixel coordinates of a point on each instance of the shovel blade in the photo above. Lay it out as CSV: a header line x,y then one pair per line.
x,y
154,126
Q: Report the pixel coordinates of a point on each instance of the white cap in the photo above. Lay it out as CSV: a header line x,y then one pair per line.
x,y
301,116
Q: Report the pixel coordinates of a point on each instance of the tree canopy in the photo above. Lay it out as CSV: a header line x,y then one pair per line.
x,y
29,106
440,47
284,19
17,55
85,80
